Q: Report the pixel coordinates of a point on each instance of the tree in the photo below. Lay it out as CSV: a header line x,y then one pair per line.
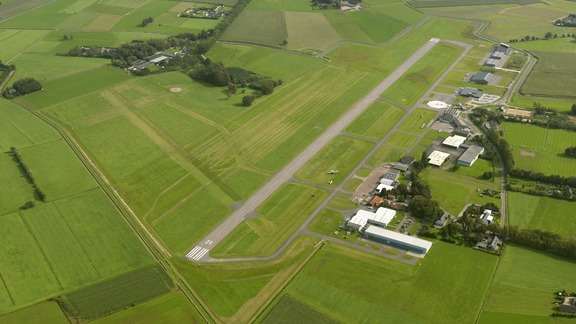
x,y
573,110
571,152
548,35
232,88
65,37
147,21
425,208
488,175
248,100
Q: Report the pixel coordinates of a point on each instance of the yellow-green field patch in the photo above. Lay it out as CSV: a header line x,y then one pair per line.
x,y
309,30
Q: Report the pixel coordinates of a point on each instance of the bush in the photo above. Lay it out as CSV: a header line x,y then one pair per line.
x,y
248,100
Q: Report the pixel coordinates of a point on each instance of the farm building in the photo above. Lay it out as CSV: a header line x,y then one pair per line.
x,y
454,141
470,155
491,62
159,57
471,92
437,158
482,78
398,240
569,305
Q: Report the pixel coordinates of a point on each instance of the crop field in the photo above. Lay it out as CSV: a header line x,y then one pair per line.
x,y
520,289
402,140
342,154
279,5
47,312
378,24
452,3
540,149
14,7
463,188
172,307
281,215
419,78
289,310
547,214
122,292
347,285
376,121
552,76
270,30
413,124
309,30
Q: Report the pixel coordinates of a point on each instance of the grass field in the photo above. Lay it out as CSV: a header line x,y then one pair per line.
x,y
348,285
401,140
463,186
385,154
289,310
342,202
352,184
172,308
419,78
270,30
523,293
342,154
376,121
110,296
309,31
47,312
540,149
547,214
551,76
281,215
413,124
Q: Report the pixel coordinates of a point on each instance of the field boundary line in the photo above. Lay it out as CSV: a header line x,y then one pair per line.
x,y
489,286
6,80
7,290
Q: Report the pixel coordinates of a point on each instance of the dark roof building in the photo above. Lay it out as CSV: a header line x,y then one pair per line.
x,y
462,132
401,167
449,115
502,48
471,92
407,159
491,62
569,305
497,55
442,220
470,155
482,77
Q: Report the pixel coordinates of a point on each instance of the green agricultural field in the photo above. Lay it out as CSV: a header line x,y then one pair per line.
x,y
122,292
371,21
347,285
47,312
14,42
540,149
543,213
413,124
560,104
453,190
552,76
419,78
342,154
451,3
289,310
11,8
172,307
385,154
402,140
281,215
279,5
270,30
309,31
520,291
376,121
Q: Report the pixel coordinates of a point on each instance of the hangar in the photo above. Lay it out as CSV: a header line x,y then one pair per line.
x,y
396,239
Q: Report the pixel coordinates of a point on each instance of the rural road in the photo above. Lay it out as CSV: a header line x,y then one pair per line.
x,y
201,252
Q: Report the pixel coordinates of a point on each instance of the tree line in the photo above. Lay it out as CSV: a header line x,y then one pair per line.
x,y
39,193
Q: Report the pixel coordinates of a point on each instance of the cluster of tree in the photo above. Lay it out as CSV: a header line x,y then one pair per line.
x,y
541,240
547,36
422,205
561,314
547,117
28,176
553,179
8,68
22,87
326,4
571,152
503,148
569,21
146,21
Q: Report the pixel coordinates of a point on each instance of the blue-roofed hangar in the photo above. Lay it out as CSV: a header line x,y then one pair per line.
x,y
398,240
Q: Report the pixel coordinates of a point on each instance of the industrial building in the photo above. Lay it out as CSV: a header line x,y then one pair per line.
x,y
437,158
396,239
470,155
454,141
381,217
482,78
471,92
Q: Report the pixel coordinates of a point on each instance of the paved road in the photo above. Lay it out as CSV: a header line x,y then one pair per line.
x,y
200,253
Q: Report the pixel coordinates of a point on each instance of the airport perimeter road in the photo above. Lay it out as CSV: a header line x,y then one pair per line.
x,y
200,253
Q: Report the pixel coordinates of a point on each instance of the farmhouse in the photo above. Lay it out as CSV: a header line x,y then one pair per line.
x,y
482,78
437,158
471,92
490,243
569,305
454,141
398,240
470,155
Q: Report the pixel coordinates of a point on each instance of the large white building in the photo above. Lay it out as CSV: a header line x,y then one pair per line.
x,y
381,217
454,141
437,158
398,240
